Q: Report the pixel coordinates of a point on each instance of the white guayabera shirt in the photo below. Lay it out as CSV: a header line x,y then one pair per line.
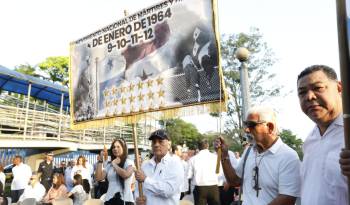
x,y
163,181
279,173
322,180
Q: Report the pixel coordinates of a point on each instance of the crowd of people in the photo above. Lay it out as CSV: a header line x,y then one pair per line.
x,y
268,173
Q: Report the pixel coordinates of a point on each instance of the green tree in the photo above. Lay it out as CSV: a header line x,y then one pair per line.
x,y
56,68
260,61
27,69
181,132
291,140
233,143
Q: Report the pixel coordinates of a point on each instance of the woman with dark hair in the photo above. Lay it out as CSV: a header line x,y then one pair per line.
x,y
57,191
119,173
80,195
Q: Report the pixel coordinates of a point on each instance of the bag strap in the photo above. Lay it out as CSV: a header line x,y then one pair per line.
x,y
242,178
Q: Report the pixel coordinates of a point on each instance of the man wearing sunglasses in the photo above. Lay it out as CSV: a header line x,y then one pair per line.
x,y
270,173
319,94
162,175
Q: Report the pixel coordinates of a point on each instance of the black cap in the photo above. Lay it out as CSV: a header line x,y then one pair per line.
x,y
160,134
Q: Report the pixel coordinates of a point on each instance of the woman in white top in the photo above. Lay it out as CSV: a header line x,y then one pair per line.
x,y
2,176
119,173
81,168
80,195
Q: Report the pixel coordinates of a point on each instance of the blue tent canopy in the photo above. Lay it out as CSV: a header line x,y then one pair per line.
x,y
16,82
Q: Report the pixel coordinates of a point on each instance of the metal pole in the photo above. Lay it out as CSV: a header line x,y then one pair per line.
x,y
344,57
244,88
134,138
104,135
96,87
60,122
27,110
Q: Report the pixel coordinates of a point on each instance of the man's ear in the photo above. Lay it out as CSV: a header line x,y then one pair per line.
x,y
339,87
271,127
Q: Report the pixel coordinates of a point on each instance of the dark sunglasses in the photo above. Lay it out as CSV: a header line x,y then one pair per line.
x,y
252,124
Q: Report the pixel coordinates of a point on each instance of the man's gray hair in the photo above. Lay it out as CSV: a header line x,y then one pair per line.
x,y
265,113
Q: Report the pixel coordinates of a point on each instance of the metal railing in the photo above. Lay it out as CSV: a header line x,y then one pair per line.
x,y
29,124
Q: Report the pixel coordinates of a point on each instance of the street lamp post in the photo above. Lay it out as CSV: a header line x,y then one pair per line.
x,y
242,55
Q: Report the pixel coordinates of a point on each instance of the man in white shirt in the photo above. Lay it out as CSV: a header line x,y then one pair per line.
x,y
226,191
21,175
177,152
319,94
272,169
202,169
34,189
161,176
67,175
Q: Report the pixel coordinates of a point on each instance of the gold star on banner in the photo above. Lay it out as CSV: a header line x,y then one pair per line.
x,y
115,102
132,109
149,83
161,93
160,81
150,95
105,92
123,101
140,85
122,89
114,90
141,97
132,99
150,107
131,87
162,104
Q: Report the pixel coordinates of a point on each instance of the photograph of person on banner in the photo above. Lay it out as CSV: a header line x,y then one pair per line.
x,y
162,57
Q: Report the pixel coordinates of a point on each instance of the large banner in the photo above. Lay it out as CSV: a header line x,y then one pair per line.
x,y
160,58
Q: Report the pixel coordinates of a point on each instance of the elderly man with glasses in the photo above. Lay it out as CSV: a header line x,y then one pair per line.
x,y
162,175
269,169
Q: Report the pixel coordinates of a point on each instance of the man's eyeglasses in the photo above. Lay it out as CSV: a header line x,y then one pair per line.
x,y
252,124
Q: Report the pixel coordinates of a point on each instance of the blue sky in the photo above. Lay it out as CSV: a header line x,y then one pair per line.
x,y
301,33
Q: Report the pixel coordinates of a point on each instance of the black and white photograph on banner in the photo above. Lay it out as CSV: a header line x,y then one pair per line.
x,y
162,57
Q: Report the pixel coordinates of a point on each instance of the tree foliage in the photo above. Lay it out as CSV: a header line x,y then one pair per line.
x,y
291,140
56,68
260,61
27,69
181,132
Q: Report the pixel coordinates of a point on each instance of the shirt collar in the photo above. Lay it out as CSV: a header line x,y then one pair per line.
x,y
203,150
275,147
339,120
336,122
163,160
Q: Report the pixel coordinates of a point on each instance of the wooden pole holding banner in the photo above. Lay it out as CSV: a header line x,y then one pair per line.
x,y
218,161
344,56
134,138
